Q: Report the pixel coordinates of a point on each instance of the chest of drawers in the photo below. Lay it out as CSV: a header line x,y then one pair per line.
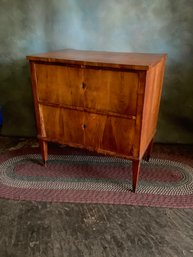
x,y
105,102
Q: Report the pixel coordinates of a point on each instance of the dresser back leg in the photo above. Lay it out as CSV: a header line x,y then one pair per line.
x,y
44,151
135,170
147,155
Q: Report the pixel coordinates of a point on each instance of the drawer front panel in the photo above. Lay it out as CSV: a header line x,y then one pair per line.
x,y
60,84
62,125
93,131
113,91
102,90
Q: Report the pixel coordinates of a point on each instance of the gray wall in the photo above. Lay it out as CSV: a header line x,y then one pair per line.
x,y
34,26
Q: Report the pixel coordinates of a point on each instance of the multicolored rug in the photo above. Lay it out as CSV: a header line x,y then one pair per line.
x,y
86,178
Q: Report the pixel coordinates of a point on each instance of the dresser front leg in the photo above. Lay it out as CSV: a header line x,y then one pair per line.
x,y
135,170
148,151
44,151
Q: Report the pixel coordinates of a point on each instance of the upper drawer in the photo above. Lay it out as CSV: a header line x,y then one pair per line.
x,y
103,90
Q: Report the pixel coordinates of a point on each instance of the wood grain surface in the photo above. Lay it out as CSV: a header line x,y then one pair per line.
x,y
134,61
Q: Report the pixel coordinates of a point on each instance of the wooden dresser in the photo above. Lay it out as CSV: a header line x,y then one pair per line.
x,y
106,102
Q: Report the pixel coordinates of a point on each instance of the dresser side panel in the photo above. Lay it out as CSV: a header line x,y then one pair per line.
x,y
153,89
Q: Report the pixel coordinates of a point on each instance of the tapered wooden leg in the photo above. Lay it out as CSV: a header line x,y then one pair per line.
x,y
44,151
148,151
135,169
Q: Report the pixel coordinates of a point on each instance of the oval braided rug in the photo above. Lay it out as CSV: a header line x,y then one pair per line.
x,y
84,178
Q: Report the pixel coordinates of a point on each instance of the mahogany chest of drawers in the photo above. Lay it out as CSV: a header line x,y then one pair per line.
x,y
106,102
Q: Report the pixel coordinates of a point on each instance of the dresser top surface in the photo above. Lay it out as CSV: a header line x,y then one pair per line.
x,y
135,61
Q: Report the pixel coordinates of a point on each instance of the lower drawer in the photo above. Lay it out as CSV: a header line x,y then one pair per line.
x,y
88,130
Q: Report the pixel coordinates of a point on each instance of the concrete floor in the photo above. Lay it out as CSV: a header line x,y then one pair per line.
x,y
59,229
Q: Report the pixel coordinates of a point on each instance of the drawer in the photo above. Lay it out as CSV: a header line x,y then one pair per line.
x,y
94,89
112,91
93,131
59,84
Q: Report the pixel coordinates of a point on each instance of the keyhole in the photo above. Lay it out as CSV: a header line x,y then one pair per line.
x,y
83,85
83,126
